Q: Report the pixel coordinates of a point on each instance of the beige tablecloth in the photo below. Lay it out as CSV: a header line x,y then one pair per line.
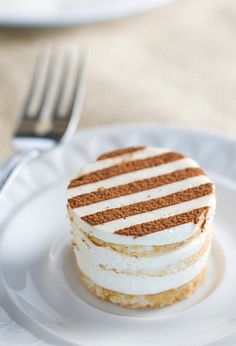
x,y
176,63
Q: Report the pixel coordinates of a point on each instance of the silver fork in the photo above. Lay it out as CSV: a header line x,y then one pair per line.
x,y
28,140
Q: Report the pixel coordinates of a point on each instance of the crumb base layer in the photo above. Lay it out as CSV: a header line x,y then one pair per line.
x,y
158,300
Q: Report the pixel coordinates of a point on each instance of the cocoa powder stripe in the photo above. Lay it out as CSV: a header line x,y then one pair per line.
x,y
136,186
162,224
149,205
119,152
125,167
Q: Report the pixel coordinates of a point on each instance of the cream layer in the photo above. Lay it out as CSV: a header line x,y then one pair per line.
x,y
138,284
108,259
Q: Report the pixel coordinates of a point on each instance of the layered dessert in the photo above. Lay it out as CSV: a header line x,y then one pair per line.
x,y
141,225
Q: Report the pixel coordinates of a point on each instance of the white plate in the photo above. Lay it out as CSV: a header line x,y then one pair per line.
x,y
40,288
68,12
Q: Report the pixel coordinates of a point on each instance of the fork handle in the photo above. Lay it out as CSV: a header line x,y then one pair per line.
x,y
12,167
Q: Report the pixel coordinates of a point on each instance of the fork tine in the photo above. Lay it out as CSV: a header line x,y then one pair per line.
x,y
78,84
48,81
64,75
77,99
27,119
40,60
64,125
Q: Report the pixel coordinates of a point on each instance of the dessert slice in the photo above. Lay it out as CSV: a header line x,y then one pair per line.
x,y
141,225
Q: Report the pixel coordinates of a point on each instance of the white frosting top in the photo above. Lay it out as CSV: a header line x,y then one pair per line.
x,y
107,231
